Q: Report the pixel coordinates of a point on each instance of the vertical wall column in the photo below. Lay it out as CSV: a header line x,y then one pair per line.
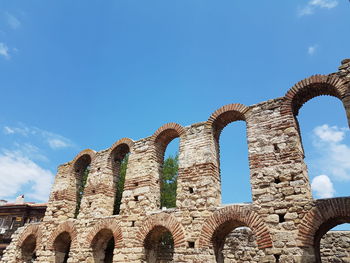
x,y
141,190
99,192
278,171
344,74
198,182
62,201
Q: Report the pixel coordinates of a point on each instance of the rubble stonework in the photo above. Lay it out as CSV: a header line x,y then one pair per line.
x,y
287,223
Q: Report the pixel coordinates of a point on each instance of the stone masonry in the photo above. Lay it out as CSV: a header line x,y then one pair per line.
x,y
286,222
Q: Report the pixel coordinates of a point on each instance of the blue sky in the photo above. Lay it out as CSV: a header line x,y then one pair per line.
x,y
83,74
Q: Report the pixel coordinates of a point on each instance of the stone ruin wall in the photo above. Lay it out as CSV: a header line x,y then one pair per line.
x,y
286,221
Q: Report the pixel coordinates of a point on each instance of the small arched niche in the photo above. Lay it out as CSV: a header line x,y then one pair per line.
x,y
81,170
28,249
119,161
61,247
103,246
159,245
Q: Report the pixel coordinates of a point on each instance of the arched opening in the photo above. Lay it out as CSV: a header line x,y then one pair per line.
x,y
326,145
119,159
232,154
331,243
159,245
81,172
28,249
103,246
169,174
166,141
234,165
234,242
62,246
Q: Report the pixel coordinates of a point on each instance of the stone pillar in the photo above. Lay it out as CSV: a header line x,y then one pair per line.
x,y
344,74
279,179
141,190
62,201
199,179
99,192
278,171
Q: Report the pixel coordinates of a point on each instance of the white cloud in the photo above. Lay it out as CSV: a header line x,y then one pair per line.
x,y
27,149
17,172
334,154
329,134
323,186
324,3
312,5
54,141
4,51
13,21
8,130
15,130
311,49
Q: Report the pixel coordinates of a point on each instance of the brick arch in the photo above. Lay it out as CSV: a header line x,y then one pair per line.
x,y
311,87
68,227
31,229
167,133
240,214
162,220
220,118
326,214
110,224
86,152
124,141
123,146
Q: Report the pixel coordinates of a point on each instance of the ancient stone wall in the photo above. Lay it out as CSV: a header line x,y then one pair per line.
x,y
335,247
287,223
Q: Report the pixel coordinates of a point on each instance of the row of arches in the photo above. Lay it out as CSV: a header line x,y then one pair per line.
x,y
161,234
293,100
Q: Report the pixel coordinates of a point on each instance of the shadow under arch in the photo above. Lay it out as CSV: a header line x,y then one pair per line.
x,y
223,221
163,220
28,249
326,214
118,156
28,242
110,224
80,170
62,240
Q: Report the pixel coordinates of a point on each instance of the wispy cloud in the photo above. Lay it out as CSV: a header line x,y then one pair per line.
x,y
329,134
18,171
4,51
12,21
334,153
21,163
313,5
312,49
53,140
322,186
28,149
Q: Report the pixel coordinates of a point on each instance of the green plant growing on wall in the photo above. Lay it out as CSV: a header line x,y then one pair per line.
x,y
81,187
120,184
169,181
